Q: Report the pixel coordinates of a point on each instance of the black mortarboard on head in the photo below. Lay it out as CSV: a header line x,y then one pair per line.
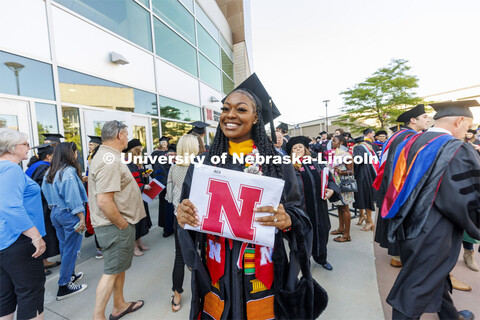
x,y
198,127
132,144
46,148
472,131
282,126
416,111
395,128
165,138
295,140
381,132
454,108
53,137
323,132
358,139
172,148
95,139
367,131
268,108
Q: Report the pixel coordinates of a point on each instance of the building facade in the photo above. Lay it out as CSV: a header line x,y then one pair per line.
x,y
68,66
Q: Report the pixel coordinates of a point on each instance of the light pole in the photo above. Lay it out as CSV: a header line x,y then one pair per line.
x,y
16,68
326,114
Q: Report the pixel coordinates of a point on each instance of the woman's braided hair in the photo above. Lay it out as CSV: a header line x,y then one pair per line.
x,y
259,136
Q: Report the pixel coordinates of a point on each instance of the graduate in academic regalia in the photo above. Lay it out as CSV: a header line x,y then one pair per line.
x,y
310,182
283,129
365,174
414,120
429,207
199,130
368,137
380,138
138,171
37,167
237,283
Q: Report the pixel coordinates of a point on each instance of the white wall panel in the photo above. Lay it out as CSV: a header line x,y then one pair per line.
x,y
215,14
86,48
175,84
23,28
206,93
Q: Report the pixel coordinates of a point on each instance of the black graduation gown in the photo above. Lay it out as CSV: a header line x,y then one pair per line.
x,y
165,208
232,282
310,182
51,241
365,175
143,226
429,227
381,229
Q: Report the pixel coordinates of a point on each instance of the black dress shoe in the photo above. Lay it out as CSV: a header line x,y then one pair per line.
x,y
167,234
466,315
47,272
327,266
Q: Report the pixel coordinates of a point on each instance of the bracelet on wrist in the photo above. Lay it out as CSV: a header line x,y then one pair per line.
x,y
36,240
286,229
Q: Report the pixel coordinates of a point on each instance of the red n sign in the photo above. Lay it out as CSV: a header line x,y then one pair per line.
x,y
223,201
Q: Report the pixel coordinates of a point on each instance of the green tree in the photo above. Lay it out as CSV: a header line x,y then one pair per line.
x,y
381,97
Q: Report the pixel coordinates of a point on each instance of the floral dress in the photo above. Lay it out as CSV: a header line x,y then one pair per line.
x,y
347,197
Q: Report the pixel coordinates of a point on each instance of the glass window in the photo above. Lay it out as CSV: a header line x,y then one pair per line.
x,y
188,4
174,109
172,12
226,47
124,17
174,49
140,133
8,121
227,65
155,132
227,84
207,45
71,127
80,88
206,22
25,77
46,119
145,3
210,73
175,130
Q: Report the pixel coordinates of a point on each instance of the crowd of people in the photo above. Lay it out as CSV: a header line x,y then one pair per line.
x,y
47,209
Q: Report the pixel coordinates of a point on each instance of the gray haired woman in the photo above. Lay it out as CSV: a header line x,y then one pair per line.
x,y
22,277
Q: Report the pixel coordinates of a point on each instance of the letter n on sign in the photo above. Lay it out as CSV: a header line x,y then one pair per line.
x,y
238,214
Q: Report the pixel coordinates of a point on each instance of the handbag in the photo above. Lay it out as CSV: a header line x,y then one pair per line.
x,y
348,184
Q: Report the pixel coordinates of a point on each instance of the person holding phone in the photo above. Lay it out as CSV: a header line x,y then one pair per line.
x,y
63,189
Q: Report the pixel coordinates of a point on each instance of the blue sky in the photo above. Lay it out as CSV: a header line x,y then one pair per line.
x,y
307,51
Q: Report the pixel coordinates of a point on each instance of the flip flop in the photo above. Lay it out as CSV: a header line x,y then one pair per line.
x,y
130,309
53,265
342,239
175,305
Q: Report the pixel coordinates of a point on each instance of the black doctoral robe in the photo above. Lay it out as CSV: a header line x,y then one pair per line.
x,y
165,208
310,183
234,285
381,229
430,224
143,226
365,175
51,241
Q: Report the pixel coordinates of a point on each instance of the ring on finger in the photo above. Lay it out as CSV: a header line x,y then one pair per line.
x,y
275,218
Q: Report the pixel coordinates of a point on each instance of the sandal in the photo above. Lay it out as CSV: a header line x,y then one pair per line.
x,y
130,309
336,232
342,239
175,305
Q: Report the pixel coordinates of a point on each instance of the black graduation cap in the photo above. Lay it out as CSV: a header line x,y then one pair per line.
x,y
165,138
282,126
46,148
95,139
472,131
198,127
323,132
53,137
132,144
416,111
269,110
295,140
381,132
454,108
367,131
358,139
395,128
172,148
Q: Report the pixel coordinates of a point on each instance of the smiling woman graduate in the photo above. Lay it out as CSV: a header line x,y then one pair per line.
x,y
240,285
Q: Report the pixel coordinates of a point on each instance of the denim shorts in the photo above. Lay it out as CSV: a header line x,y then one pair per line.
x,y
117,247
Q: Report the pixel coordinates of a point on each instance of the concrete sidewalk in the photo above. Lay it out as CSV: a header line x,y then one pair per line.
x,y
351,286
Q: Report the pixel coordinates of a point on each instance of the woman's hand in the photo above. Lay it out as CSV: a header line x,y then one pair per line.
x,y
84,179
147,187
81,224
187,214
280,218
40,247
328,193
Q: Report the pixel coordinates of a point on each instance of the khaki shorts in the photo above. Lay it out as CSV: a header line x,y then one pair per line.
x,y
117,247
